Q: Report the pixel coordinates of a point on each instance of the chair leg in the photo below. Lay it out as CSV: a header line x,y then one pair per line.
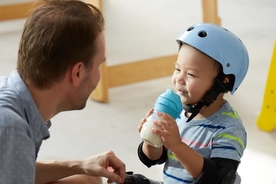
x,y
210,11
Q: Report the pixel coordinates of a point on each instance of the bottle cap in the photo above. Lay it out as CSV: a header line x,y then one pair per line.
x,y
170,103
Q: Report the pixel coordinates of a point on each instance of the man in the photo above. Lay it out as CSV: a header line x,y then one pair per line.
x,y
60,52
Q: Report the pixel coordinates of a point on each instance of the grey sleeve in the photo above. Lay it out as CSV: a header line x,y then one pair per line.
x,y
230,143
17,156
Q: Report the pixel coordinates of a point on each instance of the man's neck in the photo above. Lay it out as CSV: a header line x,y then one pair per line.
x,y
46,100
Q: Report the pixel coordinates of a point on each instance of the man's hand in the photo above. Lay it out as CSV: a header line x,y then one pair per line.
x,y
100,165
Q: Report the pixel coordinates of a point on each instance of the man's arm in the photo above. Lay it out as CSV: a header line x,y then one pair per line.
x,y
53,171
61,172
79,179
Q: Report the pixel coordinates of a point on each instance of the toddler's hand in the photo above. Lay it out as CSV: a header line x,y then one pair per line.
x,y
168,130
143,120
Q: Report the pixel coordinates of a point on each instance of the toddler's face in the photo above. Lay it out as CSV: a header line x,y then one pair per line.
x,y
194,74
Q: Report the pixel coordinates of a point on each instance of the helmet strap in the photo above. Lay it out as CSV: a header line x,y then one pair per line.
x,y
209,97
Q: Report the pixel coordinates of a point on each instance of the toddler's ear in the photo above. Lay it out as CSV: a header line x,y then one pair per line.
x,y
226,80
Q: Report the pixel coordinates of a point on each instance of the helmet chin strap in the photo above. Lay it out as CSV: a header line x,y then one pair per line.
x,y
209,97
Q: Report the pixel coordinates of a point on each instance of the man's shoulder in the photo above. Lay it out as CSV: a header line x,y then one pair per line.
x,y
11,107
7,89
4,82
10,118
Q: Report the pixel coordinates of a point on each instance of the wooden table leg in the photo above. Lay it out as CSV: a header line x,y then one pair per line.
x,y
100,94
210,11
14,11
97,3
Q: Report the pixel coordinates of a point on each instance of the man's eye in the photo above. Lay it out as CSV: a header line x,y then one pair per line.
x,y
176,69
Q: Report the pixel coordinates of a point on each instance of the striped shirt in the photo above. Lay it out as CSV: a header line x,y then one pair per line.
x,y
221,135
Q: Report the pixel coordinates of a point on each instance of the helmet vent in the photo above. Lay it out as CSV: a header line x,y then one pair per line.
x,y
228,64
202,34
190,28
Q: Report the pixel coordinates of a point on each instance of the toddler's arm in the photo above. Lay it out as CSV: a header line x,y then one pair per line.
x,y
150,155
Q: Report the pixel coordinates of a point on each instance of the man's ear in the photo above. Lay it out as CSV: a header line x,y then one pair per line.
x,y
77,73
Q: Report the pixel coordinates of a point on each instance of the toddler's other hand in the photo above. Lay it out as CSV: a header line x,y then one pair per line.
x,y
143,120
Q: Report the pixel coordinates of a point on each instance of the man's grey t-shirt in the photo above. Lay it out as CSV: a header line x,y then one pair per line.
x,y
22,131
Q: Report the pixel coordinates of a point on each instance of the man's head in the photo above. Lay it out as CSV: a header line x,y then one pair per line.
x,y
57,35
84,80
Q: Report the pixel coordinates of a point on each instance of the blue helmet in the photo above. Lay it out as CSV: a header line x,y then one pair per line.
x,y
221,45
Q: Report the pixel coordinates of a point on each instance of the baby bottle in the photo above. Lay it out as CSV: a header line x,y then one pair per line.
x,y
168,102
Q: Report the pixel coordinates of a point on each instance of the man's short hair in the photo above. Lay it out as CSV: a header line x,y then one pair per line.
x,y
57,35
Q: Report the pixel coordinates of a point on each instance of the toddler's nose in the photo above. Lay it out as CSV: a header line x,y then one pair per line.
x,y
180,80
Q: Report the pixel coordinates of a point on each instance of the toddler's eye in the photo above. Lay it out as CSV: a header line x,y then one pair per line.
x,y
190,74
176,69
